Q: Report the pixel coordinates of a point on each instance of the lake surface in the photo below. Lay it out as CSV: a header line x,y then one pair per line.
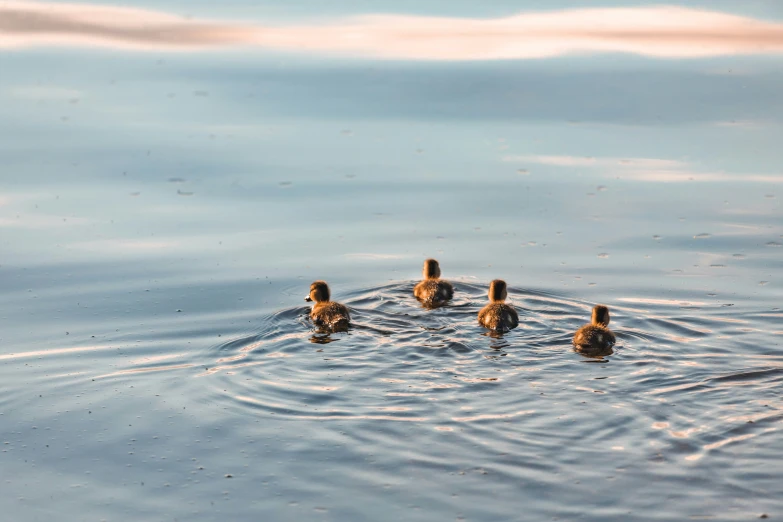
x,y
170,188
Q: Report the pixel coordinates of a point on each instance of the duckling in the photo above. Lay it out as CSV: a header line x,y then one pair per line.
x,y
595,336
498,315
433,291
327,313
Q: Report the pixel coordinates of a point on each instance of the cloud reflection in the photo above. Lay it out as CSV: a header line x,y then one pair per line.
x,y
659,31
644,169
589,161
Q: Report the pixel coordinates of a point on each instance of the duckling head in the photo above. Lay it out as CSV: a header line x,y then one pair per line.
x,y
497,291
600,315
319,292
431,269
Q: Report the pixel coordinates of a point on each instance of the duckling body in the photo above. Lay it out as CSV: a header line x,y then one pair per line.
x,y
595,336
331,314
433,290
498,315
326,313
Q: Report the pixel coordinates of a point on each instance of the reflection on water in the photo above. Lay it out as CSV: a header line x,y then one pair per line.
x,y
664,31
322,338
595,353
162,213
646,169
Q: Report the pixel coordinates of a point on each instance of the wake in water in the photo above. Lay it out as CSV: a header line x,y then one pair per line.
x,y
396,342
409,391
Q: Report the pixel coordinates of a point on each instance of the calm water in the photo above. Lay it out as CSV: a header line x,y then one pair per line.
x,y
170,187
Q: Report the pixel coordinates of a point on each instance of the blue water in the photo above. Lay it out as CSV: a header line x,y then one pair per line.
x,y
163,212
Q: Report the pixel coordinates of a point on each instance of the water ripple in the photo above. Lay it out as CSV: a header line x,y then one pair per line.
x,y
687,391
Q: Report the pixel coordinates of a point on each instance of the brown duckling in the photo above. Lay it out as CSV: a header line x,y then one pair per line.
x,y
595,336
433,290
498,315
327,313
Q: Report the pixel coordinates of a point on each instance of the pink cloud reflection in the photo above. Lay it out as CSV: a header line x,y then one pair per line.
x,y
659,31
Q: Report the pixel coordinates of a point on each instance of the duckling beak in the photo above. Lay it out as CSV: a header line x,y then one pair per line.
x,y
308,299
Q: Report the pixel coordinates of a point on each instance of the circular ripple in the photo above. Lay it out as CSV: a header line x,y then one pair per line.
x,y
397,358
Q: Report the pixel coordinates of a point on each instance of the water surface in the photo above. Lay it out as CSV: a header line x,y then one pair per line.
x,y
163,212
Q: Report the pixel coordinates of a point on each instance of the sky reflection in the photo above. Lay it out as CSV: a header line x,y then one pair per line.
x,y
658,31
644,169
